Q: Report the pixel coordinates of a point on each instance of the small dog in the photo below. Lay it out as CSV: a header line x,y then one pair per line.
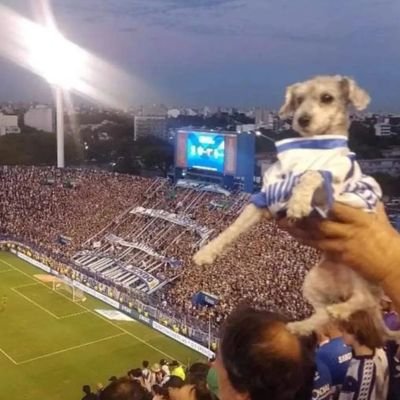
x,y
311,173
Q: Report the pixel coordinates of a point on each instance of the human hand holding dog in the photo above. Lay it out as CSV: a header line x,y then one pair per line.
x,y
365,242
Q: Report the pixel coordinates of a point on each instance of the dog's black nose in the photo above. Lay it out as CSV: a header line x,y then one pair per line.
x,y
304,120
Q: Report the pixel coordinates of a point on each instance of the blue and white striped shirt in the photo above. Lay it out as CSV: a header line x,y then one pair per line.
x,y
367,378
331,157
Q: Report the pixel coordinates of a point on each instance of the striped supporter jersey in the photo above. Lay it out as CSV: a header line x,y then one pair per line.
x,y
343,180
367,378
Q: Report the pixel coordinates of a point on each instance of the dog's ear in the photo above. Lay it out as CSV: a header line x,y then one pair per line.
x,y
288,106
355,95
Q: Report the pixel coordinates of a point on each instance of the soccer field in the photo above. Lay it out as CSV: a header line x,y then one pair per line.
x,y
51,346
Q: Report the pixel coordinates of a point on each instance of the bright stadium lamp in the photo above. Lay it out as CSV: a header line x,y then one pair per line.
x,y
55,58
60,62
43,50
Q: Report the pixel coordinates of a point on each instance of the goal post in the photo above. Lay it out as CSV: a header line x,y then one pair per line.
x,y
68,289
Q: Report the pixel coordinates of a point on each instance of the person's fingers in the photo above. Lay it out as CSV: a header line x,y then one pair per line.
x,y
326,245
328,229
346,214
381,214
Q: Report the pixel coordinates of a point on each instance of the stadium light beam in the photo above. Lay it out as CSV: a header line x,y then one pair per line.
x,y
60,63
69,68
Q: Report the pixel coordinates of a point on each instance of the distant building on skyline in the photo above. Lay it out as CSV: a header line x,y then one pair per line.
x,y
41,118
151,121
9,124
383,129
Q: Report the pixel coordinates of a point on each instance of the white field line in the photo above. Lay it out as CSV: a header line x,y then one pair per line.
x,y
98,316
15,289
72,315
8,357
70,349
35,304
26,285
3,271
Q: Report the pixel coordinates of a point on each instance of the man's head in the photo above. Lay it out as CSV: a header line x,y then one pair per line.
x,y
124,389
86,389
329,331
145,364
361,329
320,105
260,359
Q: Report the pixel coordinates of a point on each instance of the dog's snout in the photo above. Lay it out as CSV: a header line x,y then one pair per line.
x,y
304,120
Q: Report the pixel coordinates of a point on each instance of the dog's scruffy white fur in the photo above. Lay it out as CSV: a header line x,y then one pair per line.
x,y
335,291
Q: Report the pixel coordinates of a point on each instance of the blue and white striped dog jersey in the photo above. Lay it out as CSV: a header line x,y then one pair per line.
x,y
331,157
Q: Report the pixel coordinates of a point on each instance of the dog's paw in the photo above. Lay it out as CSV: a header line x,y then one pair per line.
x,y
299,207
204,256
299,328
339,311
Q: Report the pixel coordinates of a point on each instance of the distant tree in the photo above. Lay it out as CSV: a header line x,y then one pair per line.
x,y
37,148
155,153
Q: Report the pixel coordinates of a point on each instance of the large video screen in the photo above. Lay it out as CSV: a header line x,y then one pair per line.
x,y
206,151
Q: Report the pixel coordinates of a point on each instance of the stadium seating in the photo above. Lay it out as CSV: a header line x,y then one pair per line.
x,y
138,235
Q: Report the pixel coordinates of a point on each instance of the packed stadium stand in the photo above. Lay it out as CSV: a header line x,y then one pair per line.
x,y
132,239
137,236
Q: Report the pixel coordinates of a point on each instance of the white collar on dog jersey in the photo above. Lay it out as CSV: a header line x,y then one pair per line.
x,y
320,142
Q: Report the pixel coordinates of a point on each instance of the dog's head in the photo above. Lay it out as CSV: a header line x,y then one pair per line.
x,y
320,105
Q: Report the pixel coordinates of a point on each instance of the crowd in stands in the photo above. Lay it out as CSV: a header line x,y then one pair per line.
x,y
60,213
160,381
259,359
63,212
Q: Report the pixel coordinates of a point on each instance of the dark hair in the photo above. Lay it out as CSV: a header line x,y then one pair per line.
x,y
197,374
145,364
262,358
136,373
125,389
361,325
158,390
174,382
86,389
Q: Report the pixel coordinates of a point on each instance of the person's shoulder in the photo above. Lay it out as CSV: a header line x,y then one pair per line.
x,y
322,370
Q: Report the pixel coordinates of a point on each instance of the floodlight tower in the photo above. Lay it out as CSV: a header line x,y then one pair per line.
x,y
60,127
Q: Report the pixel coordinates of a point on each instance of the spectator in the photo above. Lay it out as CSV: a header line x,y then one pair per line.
x,y
89,395
146,372
197,374
212,381
260,359
125,389
334,353
158,392
158,377
367,374
390,316
393,353
177,370
165,367
190,392
322,385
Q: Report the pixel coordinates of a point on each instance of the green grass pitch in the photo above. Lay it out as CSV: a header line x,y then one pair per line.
x,y
51,346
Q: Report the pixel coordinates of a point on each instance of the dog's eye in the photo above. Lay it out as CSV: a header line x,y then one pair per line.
x,y
299,100
326,98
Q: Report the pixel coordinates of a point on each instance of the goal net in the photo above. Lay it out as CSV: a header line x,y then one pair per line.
x,y
68,289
